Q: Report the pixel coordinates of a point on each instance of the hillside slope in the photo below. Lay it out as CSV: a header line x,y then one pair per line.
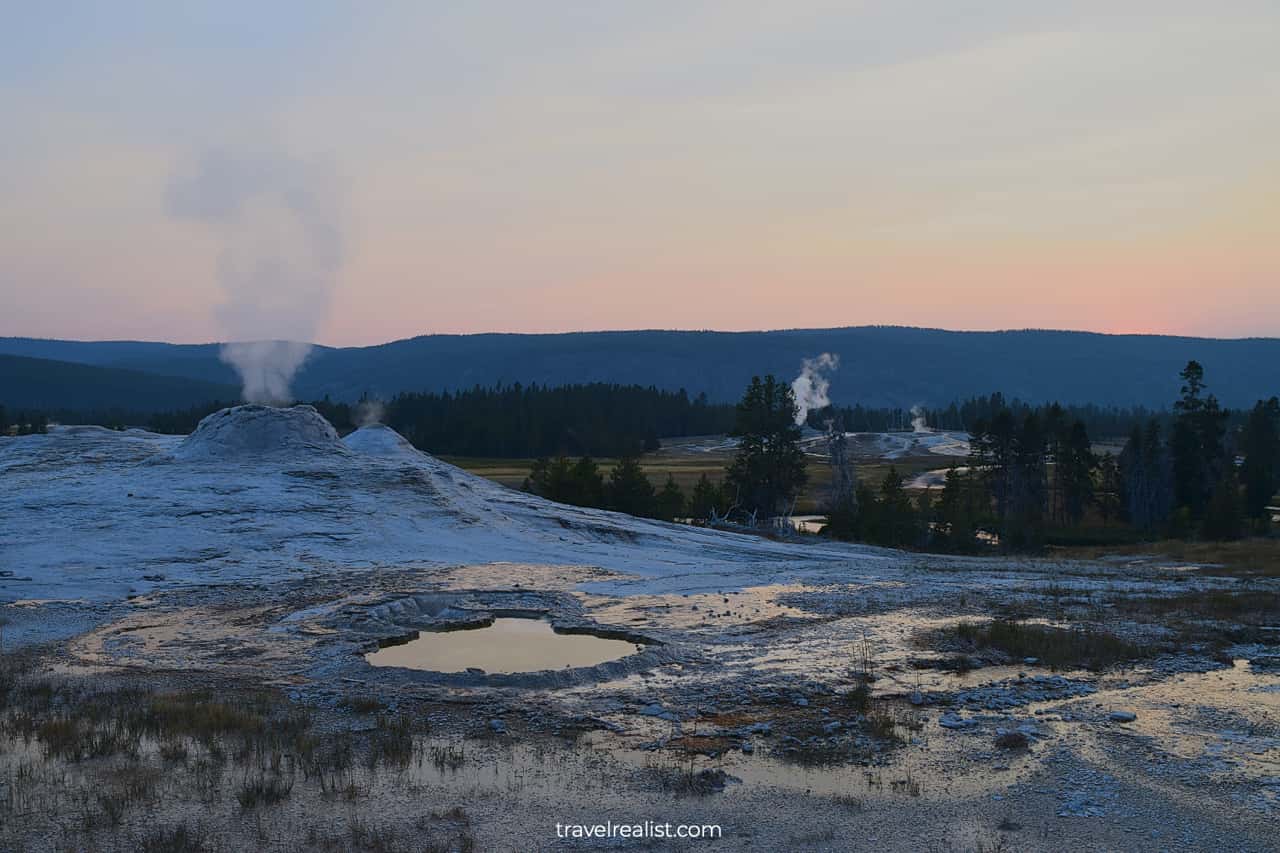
x,y
880,365
40,383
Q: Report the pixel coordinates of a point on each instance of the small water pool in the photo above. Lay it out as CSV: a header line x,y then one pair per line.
x,y
509,645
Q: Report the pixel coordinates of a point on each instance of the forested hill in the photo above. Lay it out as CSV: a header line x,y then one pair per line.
x,y
880,365
55,386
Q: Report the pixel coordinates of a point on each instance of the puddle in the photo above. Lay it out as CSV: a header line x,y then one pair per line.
x,y
591,767
509,645
1226,722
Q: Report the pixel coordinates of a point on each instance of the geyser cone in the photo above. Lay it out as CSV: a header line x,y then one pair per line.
x,y
262,432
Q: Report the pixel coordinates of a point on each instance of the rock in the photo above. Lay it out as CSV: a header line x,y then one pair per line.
x,y
474,670
1011,740
497,726
656,710
950,720
831,727
916,698
748,747
710,781
1122,716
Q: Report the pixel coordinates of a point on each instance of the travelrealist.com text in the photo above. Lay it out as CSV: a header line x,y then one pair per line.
x,y
645,829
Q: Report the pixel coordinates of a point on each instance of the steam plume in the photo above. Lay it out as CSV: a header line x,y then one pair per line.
x,y
277,222
811,386
370,412
918,423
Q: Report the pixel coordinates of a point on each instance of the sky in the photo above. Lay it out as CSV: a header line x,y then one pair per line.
x,y
353,173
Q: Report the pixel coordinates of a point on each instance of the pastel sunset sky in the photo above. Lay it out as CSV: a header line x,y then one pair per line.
x,y
549,166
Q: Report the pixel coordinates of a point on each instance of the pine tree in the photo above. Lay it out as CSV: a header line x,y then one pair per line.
x,y
707,500
925,518
955,513
1146,478
1196,446
1073,473
1107,488
844,518
629,490
1023,524
670,503
993,455
586,483
897,522
768,471
1057,432
1260,443
1225,510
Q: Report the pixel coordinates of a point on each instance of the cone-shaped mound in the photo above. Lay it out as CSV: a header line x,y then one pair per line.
x,y
262,432
380,440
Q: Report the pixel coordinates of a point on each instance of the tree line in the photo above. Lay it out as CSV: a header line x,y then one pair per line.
x,y
966,415
763,479
522,421
626,489
22,422
1198,476
517,421
1031,473
1034,473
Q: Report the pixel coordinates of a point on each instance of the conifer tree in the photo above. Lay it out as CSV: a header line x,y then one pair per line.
x,y
629,490
670,503
1260,443
708,499
768,471
1197,442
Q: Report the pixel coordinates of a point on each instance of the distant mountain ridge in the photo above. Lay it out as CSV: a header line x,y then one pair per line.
x,y
880,365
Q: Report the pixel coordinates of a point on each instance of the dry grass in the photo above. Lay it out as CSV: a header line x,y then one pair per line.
x,y
685,781
363,704
1257,557
180,838
686,468
1247,606
127,760
264,790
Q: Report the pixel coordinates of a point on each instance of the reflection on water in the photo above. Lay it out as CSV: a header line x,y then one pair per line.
x,y
506,646
590,767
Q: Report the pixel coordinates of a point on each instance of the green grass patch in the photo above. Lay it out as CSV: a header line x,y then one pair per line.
x,y
1057,648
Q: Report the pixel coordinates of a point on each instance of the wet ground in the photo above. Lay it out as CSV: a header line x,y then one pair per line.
x,y
742,706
